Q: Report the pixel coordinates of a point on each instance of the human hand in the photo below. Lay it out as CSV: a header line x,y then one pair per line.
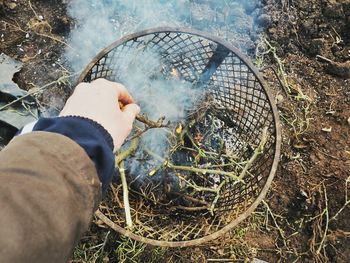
x,y
98,101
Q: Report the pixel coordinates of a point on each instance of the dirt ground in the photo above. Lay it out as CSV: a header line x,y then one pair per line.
x,y
306,214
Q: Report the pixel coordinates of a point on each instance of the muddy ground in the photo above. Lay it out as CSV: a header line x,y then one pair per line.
x,y
304,218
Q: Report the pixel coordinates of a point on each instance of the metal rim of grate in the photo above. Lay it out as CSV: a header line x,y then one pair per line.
x,y
217,62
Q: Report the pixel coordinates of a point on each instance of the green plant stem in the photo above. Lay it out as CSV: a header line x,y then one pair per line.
x,y
258,150
232,175
38,90
325,232
128,218
213,204
127,152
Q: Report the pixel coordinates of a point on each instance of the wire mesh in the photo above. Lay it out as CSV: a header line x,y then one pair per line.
x,y
237,88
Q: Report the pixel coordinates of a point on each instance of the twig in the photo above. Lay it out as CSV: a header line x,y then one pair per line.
x,y
38,90
198,188
152,124
191,209
149,124
276,74
46,35
272,50
321,246
257,152
347,201
221,260
138,134
31,7
275,222
192,199
125,195
232,175
107,221
216,199
37,33
129,151
55,39
324,59
207,189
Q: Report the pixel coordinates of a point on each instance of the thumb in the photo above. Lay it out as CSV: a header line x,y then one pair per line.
x,y
130,111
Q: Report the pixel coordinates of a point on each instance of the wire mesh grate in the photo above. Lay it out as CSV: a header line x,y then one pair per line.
x,y
245,109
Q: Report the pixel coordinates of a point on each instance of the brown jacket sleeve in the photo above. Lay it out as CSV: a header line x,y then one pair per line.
x,y
49,190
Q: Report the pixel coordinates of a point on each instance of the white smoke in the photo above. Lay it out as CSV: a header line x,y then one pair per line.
x,y
99,23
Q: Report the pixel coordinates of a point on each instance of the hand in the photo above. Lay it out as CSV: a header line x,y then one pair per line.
x,y
98,101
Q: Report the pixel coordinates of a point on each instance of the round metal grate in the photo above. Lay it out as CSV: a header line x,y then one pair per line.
x,y
244,112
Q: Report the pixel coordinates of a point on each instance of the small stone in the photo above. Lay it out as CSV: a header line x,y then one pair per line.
x,y
329,129
40,17
11,5
349,120
27,35
279,98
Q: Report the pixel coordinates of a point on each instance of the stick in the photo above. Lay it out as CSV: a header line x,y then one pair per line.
x,y
192,199
206,189
324,59
38,90
257,152
281,232
129,151
125,195
107,221
347,201
151,124
193,169
205,171
216,199
191,209
318,251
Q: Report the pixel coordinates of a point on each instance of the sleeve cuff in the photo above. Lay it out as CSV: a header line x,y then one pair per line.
x,y
90,135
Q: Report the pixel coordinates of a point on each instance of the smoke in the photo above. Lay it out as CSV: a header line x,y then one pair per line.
x,y
99,23
159,94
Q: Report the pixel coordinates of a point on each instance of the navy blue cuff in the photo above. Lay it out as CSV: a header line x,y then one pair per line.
x,y
91,136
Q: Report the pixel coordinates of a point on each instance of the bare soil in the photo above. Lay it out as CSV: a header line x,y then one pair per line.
x,y
312,39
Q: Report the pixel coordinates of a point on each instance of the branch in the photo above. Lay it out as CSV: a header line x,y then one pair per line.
x,y
257,152
125,195
232,175
152,124
318,251
187,208
38,90
127,152
216,199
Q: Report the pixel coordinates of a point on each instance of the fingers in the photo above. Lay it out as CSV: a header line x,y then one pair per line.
x,y
124,96
117,88
130,111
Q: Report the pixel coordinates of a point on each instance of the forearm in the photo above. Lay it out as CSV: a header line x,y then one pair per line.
x,y
47,197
